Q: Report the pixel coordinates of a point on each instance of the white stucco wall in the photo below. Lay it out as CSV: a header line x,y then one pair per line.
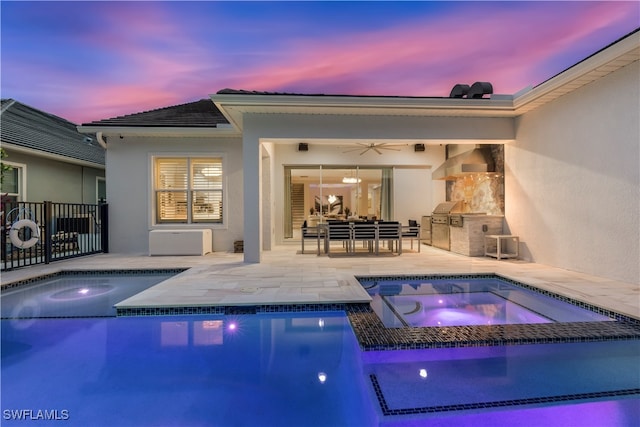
x,y
129,186
572,182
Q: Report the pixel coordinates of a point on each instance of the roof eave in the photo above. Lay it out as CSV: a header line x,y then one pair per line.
x,y
600,64
233,106
51,156
167,131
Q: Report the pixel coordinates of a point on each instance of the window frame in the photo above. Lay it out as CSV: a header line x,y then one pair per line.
x,y
101,180
190,189
21,195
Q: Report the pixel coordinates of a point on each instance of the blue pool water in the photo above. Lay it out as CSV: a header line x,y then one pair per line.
x,y
296,369
75,295
251,370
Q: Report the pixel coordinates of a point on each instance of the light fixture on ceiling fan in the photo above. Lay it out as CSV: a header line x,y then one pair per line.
x,y
375,146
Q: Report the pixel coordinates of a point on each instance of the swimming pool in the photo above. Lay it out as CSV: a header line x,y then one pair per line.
x,y
308,368
77,293
293,369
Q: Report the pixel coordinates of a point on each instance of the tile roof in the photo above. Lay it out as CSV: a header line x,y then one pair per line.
x,y
228,91
25,126
202,113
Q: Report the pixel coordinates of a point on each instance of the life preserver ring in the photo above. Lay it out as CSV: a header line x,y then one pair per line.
x,y
15,236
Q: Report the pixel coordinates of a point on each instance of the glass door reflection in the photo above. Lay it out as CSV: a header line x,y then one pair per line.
x,y
317,194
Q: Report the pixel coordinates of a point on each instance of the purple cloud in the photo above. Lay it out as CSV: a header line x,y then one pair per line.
x,y
137,56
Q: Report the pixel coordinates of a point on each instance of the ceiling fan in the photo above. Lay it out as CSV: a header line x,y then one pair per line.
x,y
375,147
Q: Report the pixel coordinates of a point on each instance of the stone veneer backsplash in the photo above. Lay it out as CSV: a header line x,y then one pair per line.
x,y
480,192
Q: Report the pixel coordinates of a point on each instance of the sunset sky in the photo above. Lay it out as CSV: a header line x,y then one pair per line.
x,y
89,60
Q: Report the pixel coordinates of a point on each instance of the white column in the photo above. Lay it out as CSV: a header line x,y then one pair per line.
x,y
252,166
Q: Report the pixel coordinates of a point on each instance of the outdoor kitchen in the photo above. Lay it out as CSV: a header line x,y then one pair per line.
x,y
475,206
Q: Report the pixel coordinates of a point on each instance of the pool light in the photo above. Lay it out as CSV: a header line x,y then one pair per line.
x,y
423,373
322,377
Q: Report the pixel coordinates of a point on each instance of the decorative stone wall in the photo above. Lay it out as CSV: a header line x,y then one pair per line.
x,y
481,193
469,239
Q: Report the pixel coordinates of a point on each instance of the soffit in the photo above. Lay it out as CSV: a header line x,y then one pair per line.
x,y
235,106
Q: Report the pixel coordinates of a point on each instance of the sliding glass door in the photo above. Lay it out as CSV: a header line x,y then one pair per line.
x,y
317,194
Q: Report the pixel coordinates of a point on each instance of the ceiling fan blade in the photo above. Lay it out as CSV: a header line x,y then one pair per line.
x,y
376,150
365,150
361,146
389,148
352,149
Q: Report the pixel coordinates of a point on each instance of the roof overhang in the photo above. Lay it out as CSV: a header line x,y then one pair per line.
x,y
598,65
234,106
146,131
51,156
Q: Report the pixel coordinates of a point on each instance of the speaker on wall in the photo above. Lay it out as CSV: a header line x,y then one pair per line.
x,y
418,147
303,146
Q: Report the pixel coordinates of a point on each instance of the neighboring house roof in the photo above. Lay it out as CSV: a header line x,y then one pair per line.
x,y
202,113
26,128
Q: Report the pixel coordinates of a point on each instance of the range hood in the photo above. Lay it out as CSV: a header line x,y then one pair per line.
x,y
478,160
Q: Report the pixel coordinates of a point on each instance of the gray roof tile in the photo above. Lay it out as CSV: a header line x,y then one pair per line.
x,y
201,113
27,127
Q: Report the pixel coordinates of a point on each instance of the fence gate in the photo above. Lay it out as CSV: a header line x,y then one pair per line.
x,y
38,233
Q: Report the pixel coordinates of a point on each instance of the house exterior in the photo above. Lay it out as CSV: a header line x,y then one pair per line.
x,y
49,158
569,184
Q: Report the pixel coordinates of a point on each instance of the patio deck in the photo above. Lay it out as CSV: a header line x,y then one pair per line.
x,y
287,277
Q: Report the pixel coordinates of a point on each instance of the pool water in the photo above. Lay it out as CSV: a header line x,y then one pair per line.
x,y
251,370
67,360
468,302
297,369
75,295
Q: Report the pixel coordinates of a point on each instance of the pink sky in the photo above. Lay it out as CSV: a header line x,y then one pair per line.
x,y
117,63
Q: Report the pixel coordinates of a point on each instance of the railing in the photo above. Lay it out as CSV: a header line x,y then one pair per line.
x,y
39,233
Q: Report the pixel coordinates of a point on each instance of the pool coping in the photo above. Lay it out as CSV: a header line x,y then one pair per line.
x,y
371,333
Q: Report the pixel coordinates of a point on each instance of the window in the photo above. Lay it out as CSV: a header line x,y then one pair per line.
x,y
101,190
188,189
13,182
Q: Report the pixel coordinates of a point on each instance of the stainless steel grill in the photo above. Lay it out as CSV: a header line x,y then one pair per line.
x,y
440,223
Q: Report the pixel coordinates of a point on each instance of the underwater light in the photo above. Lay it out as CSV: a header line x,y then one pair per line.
x,y
322,377
423,373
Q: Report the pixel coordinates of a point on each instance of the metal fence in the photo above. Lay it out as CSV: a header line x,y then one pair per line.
x,y
39,233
